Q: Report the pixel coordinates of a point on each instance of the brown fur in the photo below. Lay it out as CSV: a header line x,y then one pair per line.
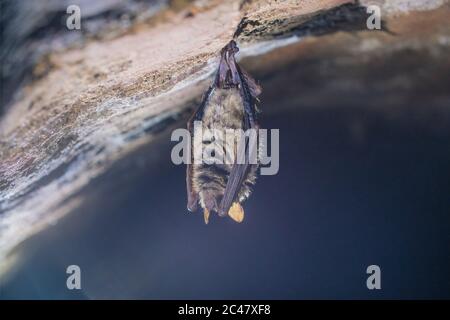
x,y
223,111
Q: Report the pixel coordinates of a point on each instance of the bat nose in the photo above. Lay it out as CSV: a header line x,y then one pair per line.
x,y
221,212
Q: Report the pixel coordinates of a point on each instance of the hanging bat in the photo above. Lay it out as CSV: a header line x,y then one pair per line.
x,y
229,103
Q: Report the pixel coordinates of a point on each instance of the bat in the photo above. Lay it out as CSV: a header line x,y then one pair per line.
x,y
229,103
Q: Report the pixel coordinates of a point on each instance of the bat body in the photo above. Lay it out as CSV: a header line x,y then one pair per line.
x,y
229,103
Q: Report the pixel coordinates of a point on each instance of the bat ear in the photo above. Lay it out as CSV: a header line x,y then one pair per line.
x,y
236,212
206,215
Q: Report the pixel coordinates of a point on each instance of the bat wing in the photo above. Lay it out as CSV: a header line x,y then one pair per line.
x,y
248,90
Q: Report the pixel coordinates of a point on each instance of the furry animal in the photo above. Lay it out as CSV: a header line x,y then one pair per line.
x,y
229,103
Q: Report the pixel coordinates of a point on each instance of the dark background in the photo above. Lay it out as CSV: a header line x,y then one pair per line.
x,y
336,206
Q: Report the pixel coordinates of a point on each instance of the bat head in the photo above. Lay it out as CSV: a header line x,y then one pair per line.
x,y
210,203
210,200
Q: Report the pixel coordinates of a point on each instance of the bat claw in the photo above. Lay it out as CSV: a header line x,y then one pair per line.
x,y
192,204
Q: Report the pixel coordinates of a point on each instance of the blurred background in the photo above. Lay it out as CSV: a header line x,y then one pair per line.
x,y
85,171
